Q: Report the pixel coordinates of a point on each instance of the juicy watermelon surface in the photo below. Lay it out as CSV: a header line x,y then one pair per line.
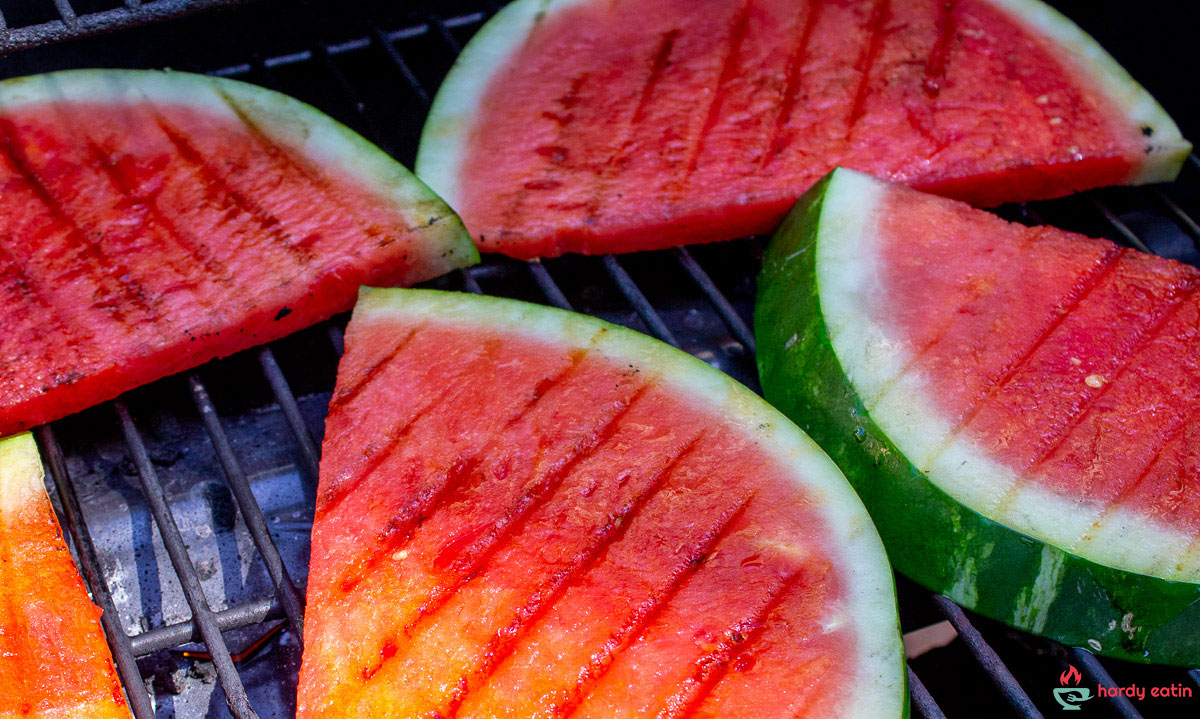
x,y
53,658
588,126
150,222
1016,406
522,513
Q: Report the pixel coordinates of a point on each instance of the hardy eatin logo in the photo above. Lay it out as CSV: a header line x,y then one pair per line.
x,y
1071,697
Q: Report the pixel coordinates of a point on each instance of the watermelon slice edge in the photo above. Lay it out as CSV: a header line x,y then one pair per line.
x,y
660,207
1126,588
381,319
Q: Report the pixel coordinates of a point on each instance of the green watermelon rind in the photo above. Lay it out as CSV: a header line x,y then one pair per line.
x,y
306,133
444,139
880,688
931,537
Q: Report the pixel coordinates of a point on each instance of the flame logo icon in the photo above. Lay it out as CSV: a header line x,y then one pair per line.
x,y
1069,698
1071,675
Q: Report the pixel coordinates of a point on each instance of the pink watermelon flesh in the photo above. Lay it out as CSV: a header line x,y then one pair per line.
x,y
140,240
1069,360
506,527
621,126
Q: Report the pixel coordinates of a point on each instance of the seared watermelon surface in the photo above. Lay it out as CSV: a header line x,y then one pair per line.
x,y
151,221
598,126
1016,406
525,512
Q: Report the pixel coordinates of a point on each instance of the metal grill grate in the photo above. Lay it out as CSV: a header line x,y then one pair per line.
x,y
377,71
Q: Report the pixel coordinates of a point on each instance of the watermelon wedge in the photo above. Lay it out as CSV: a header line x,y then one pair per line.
x,y
1016,406
617,125
151,221
525,512
54,662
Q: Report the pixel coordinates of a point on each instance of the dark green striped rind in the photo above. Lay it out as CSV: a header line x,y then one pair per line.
x,y
930,537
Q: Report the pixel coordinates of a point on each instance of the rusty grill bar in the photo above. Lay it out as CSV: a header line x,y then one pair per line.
x,y
321,58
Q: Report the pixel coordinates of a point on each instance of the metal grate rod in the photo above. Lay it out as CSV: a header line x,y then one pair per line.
x,y
988,658
548,286
641,305
189,580
285,589
922,698
739,328
118,640
291,411
1099,675
179,633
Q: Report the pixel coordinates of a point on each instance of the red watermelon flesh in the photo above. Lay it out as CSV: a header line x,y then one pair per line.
x,y
1065,369
516,520
150,222
596,126
54,661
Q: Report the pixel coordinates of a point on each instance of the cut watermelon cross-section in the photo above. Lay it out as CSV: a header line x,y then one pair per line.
x,y
54,662
609,126
1018,407
151,221
525,512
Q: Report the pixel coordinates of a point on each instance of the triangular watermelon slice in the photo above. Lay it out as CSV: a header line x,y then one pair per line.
x,y
54,661
151,221
617,125
526,512
1016,406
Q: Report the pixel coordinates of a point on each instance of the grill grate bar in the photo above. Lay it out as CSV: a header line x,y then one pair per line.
x,y
1096,672
1127,234
285,589
548,286
66,12
189,580
180,633
735,323
1183,218
89,564
922,698
988,658
309,453
71,25
358,43
389,48
637,298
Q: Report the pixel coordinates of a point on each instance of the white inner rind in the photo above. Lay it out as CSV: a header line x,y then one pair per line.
x,y
301,129
878,688
1166,148
459,99
20,473
876,359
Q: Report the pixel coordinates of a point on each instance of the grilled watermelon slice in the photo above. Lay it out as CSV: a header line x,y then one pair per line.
x,y
525,512
610,126
1016,406
151,221
53,658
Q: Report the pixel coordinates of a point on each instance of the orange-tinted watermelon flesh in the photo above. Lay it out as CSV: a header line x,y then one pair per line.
x,y
150,222
515,521
1016,405
628,125
53,658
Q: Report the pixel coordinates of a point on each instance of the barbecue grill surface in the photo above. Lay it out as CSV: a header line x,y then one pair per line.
x,y
217,468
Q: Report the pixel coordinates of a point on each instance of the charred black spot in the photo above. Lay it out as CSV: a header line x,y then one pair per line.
x,y
1147,130
283,312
